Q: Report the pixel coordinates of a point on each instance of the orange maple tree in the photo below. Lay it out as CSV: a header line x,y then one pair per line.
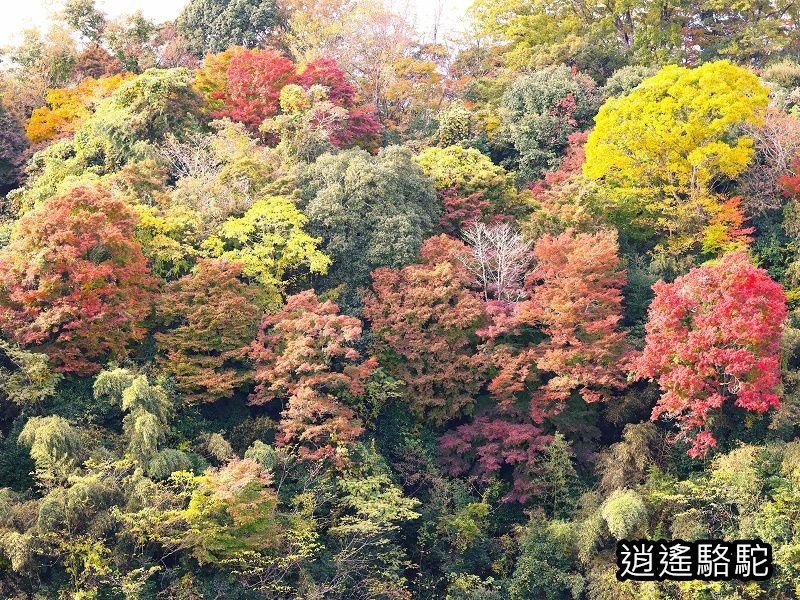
x,y
305,355
74,283
424,317
212,319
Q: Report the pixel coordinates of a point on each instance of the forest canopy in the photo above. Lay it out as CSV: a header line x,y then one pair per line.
x,y
300,300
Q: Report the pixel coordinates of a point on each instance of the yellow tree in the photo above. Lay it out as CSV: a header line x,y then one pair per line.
x,y
271,243
663,149
70,107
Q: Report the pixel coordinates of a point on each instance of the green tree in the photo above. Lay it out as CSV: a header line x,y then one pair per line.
x,y
369,561
56,446
455,123
540,111
25,377
546,565
754,32
222,515
624,512
468,171
147,409
624,80
306,123
370,211
595,35
84,17
123,129
216,25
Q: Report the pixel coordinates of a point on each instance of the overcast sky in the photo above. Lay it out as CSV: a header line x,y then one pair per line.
x,y
18,15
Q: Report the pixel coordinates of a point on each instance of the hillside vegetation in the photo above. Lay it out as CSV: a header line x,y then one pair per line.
x,y
298,303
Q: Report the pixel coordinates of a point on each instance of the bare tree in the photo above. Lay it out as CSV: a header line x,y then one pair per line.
x,y
499,259
193,158
776,143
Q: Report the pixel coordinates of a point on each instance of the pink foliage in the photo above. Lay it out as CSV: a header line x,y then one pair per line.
x,y
305,354
575,303
325,72
713,336
490,443
362,128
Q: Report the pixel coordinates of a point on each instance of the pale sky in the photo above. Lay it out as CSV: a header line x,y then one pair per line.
x,y
18,15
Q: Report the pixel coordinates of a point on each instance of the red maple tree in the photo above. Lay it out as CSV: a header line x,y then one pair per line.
x,y
252,86
245,86
325,72
494,441
713,336
575,294
461,209
361,127
565,337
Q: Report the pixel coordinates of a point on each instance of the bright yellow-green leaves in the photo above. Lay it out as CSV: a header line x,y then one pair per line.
x,y
25,377
271,242
456,166
662,148
468,171
540,32
227,201
166,238
229,513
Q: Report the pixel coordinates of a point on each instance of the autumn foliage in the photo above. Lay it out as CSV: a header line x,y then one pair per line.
x,y
713,337
325,72
245,86
212,319
309,299
69,108
573,310
361,128
576,301
73,282
561,194
563,339
424,317
251,85
305,355
498,440
459,209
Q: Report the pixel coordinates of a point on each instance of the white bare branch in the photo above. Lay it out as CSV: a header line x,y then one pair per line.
x,y
193,158
499,259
